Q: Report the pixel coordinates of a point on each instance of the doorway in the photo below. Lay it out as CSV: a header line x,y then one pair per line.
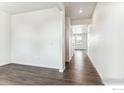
x,y
79,37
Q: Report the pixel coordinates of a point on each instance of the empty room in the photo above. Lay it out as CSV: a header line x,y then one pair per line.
x,y
61,43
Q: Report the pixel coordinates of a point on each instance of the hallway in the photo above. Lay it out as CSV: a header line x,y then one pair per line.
x,y
79,72
83,70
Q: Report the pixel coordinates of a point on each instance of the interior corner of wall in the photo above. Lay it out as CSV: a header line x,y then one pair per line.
x,y
61,6
62,69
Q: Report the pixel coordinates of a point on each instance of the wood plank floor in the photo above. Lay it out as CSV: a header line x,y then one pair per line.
x,y
79,71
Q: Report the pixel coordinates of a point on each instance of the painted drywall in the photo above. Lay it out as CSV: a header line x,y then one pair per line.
x,y
68,40
37,38
106,41
62,38
81,21
21,7
4,38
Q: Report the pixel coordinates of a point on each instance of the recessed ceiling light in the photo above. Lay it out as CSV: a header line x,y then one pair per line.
x,y
80,11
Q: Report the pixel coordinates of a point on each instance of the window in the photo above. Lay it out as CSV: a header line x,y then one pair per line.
x,y
79,29
79,38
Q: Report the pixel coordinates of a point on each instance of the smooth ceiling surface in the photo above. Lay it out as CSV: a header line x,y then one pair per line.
x,y
20,7
72,9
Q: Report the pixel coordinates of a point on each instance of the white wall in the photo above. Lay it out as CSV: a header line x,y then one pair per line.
x,y
4,38
62,38
81,21
68,40
106,41
37,38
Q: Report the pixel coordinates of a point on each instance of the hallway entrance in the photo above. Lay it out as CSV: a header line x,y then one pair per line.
x,y
79,37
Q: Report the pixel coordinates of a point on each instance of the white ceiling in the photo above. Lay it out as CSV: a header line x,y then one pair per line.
x,y
20,7
72,9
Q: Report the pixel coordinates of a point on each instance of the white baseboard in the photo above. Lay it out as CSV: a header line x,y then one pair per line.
x,y
105,80
62,69
100,74
114,81
4,63
69,60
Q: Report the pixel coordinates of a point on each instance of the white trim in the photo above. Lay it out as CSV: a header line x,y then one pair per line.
x,y
69,59
111,81
62,69
101,76
4,63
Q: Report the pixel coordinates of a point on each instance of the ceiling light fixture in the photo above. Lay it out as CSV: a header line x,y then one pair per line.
x,y
80,11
